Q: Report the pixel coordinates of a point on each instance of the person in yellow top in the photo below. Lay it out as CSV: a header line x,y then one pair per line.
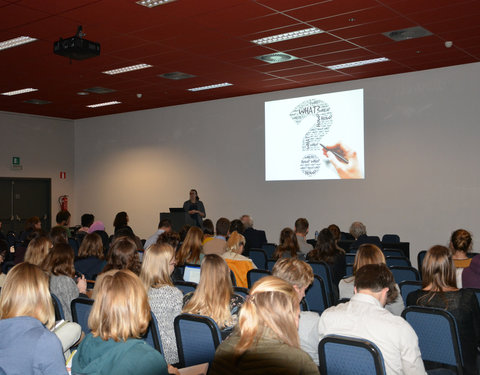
x,y
238,263
460,244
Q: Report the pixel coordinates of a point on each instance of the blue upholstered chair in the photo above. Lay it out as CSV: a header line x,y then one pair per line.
x,y
316,296
255,275
81,308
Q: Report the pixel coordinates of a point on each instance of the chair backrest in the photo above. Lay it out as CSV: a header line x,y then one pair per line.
x,y
271,264
437,335
393,252
401,273
255,275
81,308
316,296
197,339
348,270
259,257
339,355
350,258
152,336
233,278
408,286
477,293
57,306
240,291
185,286
323,270
269,249
397,261
391,238
420,257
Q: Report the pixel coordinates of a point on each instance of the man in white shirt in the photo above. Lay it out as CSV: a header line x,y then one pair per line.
x,y
301,231
163,226
364,316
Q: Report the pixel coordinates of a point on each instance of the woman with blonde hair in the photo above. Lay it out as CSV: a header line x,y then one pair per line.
x,y
238,263
266,338
214,295
26,315
191,249
439,290
165,300
37,250
90,260
119,317
369,254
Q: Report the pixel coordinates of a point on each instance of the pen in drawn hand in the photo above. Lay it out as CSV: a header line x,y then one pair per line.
x,y
336,154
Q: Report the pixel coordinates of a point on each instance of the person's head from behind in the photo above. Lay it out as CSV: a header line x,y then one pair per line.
x,y
59,261
376,280
236,225
37,250
86,220
123,255
121,220
121,308
222,226
357,229
183,232
215,275
172,238
63,218
33,223
236,243
461,241
191,247
247,221
208,228
335,230
325,240
438,270
92,246
272,304
367,254
288,238
158,264
296,272
26,293
301,226
165,224
58,235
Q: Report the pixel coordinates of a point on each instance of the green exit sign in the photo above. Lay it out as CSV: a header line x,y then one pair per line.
x,y
15,160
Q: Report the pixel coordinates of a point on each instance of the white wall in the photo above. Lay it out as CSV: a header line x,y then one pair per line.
x,y
421,152
45,147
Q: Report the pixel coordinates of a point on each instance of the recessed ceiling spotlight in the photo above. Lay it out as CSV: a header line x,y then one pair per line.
x,y
127,69
176,75
103,104
82,93
37,101
153,3
287,36
276,57
408,33
210,87
18,92
357,63
16,42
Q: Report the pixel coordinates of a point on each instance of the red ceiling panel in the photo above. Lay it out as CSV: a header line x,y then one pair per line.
x,y
329,9
321,49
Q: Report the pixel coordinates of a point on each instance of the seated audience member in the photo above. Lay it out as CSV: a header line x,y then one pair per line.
x,y
359,232
183,232
266,338
254,238
191,249
123,255
238,263
120,316
439,290
326,251
63,220
301,231
369,254
208,231
172,238
86,221
164,225
364,317
218,244
236,226
90,260
32,225
58,235
26,315
471,274
288,246
300,275
59,265
214,295
37,250
460,245
336,233
121,221
99,228
165,300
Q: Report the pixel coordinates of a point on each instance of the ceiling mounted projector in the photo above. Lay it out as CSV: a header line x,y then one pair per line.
x,y
76,47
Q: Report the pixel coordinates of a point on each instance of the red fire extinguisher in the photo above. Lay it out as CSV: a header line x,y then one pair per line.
x,y
63,201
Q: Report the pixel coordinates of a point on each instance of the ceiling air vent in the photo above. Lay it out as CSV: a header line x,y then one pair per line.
x,y
405,34
176,75
99,90
277,57
37,101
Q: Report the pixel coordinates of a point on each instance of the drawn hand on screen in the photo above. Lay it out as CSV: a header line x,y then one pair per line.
x,y
344,170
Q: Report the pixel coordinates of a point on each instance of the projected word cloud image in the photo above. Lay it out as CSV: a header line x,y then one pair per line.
x,y
315,137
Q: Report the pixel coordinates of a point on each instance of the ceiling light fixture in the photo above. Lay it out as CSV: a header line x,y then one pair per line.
x,y
276,57
16,42
103,104
127,69
357,63
287,36
18,92
210,87
153,3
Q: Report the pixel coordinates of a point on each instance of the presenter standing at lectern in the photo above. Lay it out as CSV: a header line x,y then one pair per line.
x,y
195,208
